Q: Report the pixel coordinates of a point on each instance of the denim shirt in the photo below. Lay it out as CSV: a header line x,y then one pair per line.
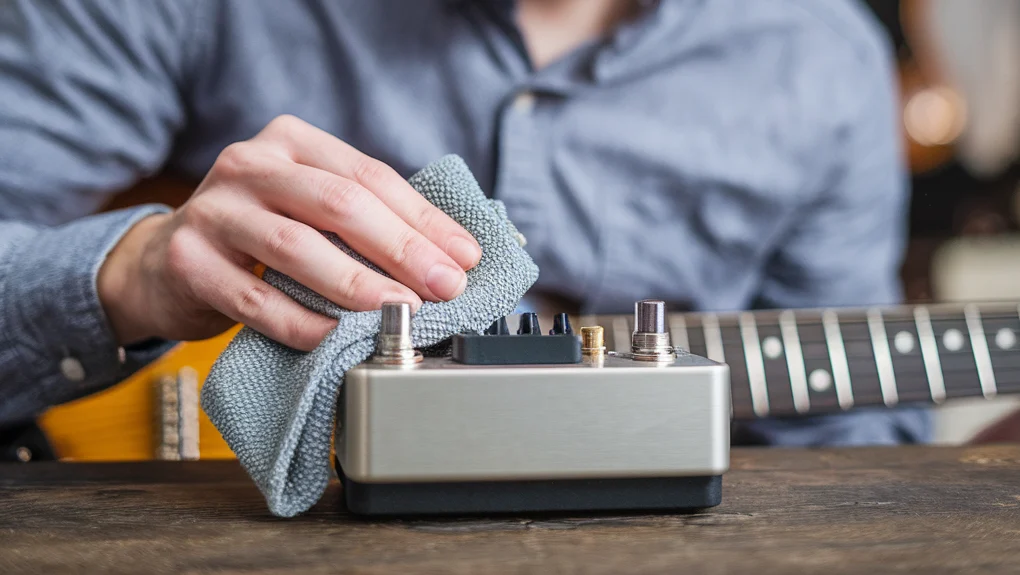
x,y
718,154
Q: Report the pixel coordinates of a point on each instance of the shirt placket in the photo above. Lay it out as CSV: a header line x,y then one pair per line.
x,y
517,176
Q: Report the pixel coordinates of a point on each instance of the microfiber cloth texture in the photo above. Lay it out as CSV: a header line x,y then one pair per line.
x,y
275,406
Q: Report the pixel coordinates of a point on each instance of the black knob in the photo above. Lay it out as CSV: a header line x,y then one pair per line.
x,y
529,325
561,325
498,327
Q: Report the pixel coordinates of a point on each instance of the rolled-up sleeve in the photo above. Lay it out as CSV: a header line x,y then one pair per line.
x,y
55,342
91,101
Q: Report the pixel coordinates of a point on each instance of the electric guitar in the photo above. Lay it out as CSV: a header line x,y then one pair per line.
x,y
782,363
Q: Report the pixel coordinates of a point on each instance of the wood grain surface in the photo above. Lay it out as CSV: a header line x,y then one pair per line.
x,y
873,510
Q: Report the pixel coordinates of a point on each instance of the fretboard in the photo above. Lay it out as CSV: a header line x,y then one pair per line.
x,y
808,361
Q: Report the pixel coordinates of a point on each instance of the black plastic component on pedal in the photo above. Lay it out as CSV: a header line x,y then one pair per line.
x,y
497,347
561,325
498,327
529,325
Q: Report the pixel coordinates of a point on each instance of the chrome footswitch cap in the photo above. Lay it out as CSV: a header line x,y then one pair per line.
x,y
394,345
650,340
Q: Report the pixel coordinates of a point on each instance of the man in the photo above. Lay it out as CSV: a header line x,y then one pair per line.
x,y
719,153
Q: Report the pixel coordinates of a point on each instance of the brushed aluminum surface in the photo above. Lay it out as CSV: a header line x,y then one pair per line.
x,y
443,421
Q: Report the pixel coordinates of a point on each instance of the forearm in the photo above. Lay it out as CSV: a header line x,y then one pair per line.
x,y
93,96
56,343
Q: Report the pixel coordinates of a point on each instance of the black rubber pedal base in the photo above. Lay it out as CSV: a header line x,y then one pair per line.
x,y
573,495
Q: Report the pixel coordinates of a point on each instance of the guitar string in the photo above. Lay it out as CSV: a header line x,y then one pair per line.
x,y
911,378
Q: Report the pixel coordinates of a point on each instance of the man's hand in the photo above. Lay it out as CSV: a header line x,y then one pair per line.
x,y
188,275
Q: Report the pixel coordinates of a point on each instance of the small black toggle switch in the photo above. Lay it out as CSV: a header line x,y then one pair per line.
x,y
561,325
529,325
498,327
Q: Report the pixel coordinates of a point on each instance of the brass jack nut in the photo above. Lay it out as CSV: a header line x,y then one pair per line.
x,y
593,341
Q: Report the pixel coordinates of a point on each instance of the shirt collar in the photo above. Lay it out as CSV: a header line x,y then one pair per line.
x,y
635,46
646,42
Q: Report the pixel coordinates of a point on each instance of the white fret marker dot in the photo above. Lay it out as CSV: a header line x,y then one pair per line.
x,y
904,342
1005,338
772,347
953,339
820,380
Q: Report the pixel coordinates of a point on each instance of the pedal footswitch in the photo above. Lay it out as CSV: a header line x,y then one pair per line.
x,y
533,422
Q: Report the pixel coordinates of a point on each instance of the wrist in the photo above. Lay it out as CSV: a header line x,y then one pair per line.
x,y
121,283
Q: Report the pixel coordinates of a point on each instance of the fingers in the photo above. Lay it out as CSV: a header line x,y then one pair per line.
x,y
245,298
301,252
366,224
318,149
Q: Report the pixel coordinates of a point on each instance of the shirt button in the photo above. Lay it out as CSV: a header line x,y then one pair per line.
x,y
524,102
72,369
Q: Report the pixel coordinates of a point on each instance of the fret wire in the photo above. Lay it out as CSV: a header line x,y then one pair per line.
x,y
907,397
930,354
837,359
979,346
883,359
850,321
678,331
869,359
621,333
935,373
723,320
866,399
713,338
908,386
918,372
755,365
795,361
849,339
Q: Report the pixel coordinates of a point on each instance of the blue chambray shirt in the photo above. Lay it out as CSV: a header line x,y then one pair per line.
x,y
719,154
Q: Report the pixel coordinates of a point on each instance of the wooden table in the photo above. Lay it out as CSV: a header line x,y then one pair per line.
x,y
875,510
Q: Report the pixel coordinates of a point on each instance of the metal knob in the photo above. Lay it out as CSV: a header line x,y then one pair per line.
x,y
529,324
394,344
561,325
650,316
650,340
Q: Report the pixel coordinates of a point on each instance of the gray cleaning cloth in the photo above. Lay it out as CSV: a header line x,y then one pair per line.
x,y
275,406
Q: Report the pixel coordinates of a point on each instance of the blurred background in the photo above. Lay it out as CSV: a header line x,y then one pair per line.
x,y
959,76
959,73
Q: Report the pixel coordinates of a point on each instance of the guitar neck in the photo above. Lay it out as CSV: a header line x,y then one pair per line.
x,y
796,362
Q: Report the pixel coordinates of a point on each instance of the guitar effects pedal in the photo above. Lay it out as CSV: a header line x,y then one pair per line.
x,y
529,422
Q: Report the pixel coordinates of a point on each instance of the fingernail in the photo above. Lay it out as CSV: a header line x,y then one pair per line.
x,y
445,281
464,252
411,300
415,304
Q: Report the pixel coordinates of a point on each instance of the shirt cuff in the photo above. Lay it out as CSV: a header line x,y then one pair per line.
x,y
55,321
